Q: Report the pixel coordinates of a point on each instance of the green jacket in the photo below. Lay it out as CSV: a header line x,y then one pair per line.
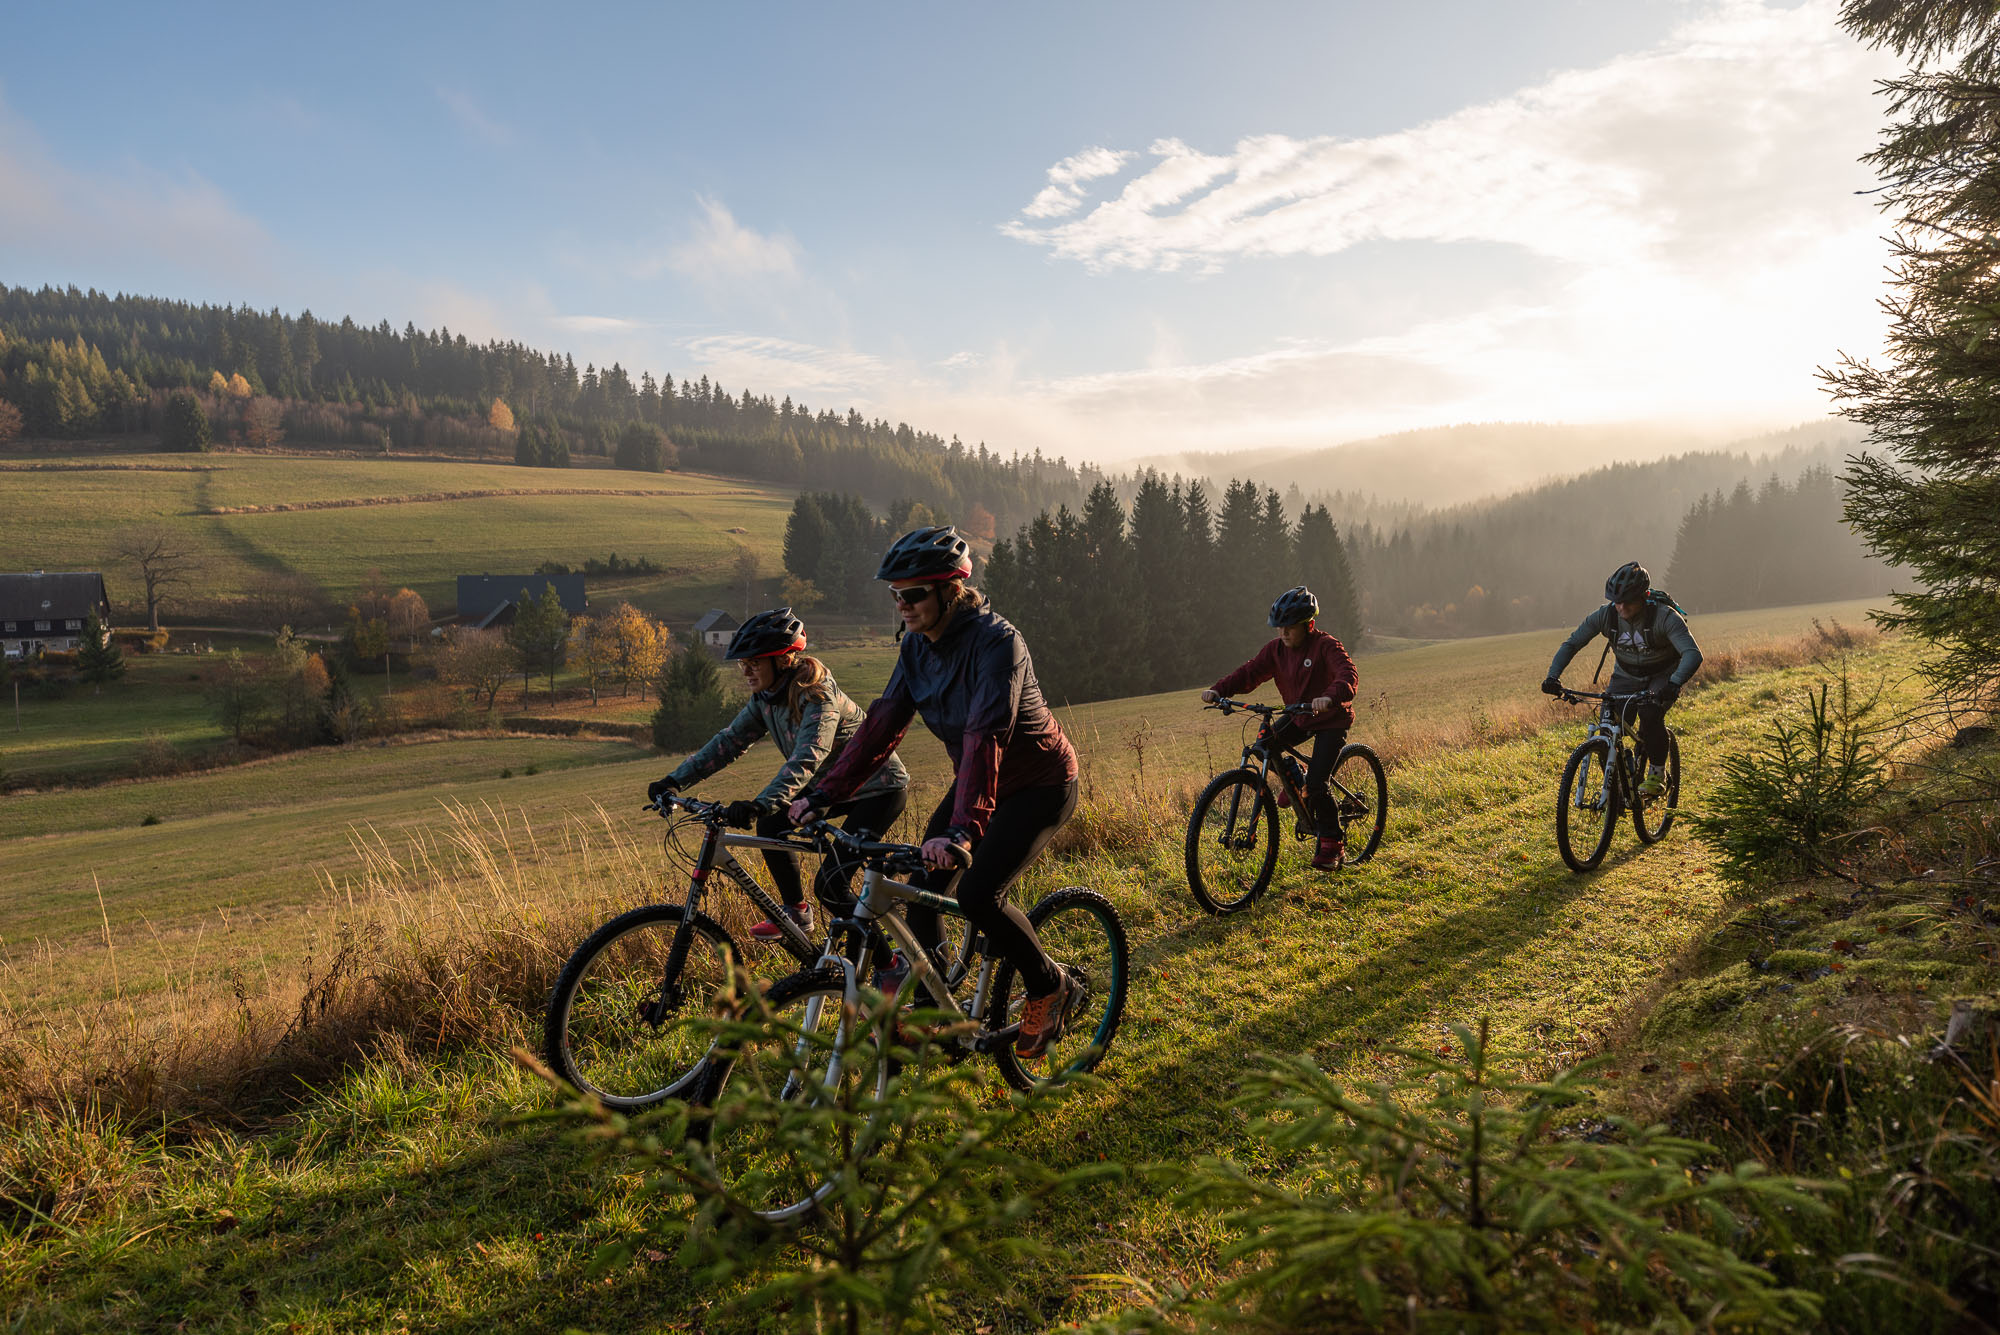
x,y
827,720
1659,640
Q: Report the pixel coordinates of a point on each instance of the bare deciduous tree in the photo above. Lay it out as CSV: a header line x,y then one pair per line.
x,y
165,564
479,660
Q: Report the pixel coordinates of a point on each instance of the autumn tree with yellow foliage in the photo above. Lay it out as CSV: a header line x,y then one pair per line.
x,y
500,417
638,645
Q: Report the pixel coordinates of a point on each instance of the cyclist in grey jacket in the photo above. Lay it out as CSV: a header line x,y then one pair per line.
x,y
1655,654
795,702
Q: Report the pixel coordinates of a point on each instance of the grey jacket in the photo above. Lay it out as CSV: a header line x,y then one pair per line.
x,y
826,723
1658,641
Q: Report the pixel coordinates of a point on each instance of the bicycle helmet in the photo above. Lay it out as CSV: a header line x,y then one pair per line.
x,y
1293,606
927,553
1627,582
767,634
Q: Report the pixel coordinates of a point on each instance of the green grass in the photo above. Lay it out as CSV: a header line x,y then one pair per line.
x,y
680,521
404,1197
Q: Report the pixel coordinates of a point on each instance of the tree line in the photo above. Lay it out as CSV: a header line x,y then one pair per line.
x,y
374,386
1172,594
1779,544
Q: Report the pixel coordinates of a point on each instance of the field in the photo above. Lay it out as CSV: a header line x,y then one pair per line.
x,y
424,523
406,1194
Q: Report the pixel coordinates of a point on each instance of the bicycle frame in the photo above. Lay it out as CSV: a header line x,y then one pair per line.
x,y
1612,724
1261,751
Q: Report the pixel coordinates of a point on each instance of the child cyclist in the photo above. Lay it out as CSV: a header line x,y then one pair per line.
x,y
1310,666
795,701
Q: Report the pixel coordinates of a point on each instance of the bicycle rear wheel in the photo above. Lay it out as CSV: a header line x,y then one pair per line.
x,y
1652,817
1232,841
1362,799
618,1026
791,1109
1081,932
1585,810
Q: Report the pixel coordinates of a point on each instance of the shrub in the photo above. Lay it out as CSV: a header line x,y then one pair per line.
x,y
1781,806
1448,1200
156,755
927,1197
151,819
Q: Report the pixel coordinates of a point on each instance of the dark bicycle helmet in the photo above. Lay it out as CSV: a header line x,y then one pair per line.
x,y
1627,582
767,633
927,553
1293,606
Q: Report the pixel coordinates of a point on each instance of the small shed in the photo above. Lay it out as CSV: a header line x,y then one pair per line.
x,y
716,628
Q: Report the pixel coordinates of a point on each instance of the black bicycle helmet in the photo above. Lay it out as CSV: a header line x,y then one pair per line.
x,y
767,633
1293,606
1627,582
927,553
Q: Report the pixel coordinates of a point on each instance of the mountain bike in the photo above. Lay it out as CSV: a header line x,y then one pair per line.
x,y
821,1020
625,1020
1232,834
1602,779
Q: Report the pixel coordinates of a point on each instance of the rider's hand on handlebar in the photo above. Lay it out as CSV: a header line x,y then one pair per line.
x,y
742,813
942,854
1552,686
801,810
1665,693
1322,703
660,788
1209,697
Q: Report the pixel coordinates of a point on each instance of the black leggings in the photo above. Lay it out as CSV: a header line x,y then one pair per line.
x,y
1325,754
1021,827
1652,718
874,813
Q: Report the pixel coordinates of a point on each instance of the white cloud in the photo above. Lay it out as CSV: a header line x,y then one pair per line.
x,y
778,367
722,249
1066,179
128,219
595,324
470,115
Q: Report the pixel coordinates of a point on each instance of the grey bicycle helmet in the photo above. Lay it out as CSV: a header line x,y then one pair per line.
x,y
766,634
1627,582
927,553
1293,606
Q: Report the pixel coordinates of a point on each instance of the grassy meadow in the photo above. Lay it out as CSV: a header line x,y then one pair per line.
x,y
422,524
406,902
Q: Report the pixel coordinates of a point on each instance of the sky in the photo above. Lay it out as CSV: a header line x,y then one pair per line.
x,y
1104,231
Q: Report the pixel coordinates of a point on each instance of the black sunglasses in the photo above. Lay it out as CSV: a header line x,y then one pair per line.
x,y
911,597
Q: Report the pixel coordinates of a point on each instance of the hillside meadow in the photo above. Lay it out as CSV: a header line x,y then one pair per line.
x,y
405,1193
420,522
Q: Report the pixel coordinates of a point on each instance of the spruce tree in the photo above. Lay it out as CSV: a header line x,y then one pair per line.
x,y
98,659
184,426
1930,500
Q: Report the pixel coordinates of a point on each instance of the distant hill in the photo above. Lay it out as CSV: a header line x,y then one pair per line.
x,y
1441,467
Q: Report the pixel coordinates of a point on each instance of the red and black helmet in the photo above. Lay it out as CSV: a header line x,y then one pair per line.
x,y
927,553
766,635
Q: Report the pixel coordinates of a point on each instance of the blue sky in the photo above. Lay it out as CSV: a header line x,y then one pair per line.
x,y
1102,230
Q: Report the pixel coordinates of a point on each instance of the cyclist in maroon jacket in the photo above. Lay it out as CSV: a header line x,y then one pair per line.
x,y
967,672
1309,665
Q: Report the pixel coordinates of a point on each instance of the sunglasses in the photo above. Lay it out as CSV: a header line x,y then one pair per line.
x,y
911,597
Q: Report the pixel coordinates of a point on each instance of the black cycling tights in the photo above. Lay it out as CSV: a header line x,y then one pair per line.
x,y
1652,717
874,813
1022,825
1325,755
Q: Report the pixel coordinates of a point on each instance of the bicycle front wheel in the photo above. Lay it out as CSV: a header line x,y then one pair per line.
x,y
1081,933
619,1026
1360,792
1652,817
792,1108
1232,842
1585,810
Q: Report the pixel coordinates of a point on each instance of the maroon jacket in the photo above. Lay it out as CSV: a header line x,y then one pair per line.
x,y
1320,667
976,691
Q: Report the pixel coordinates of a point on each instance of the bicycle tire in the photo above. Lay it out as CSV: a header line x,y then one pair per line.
x,y
1666,804
1082,933
1602,810
784,1177
1372,792
595,1035
1222,883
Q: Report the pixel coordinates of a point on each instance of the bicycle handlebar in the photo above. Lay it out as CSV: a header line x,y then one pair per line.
x,y
900,858
1578,697
1253,707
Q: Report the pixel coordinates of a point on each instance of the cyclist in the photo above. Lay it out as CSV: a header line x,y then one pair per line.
x,y
1309,665
967,672
1654,652
796,702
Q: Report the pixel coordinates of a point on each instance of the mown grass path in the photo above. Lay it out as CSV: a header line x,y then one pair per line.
x,y
405,1199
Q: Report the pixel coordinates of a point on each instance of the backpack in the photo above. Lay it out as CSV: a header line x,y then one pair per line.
x,y
1655,600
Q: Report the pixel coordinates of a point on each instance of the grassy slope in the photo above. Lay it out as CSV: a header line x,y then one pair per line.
x,y
404,1197
681,521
